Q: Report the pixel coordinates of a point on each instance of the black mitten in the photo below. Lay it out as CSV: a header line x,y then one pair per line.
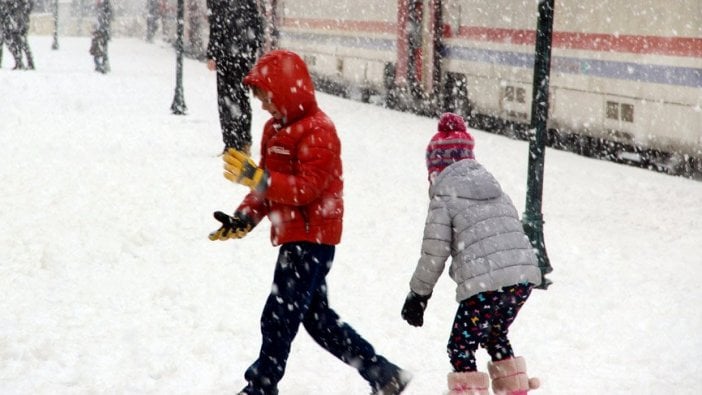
x,y
413,310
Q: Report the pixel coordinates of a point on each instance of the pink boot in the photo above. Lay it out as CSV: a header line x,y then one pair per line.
x,y
468,383
509,377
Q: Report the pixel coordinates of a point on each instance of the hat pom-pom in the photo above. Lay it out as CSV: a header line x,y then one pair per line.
x,y
450,122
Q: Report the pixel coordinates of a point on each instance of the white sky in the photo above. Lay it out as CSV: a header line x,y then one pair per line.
x,y
109,285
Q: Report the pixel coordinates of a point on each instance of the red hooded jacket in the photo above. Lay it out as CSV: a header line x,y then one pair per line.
x,y
302,154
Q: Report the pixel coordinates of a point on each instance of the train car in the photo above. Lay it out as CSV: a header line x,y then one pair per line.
x,y
626,75
345,44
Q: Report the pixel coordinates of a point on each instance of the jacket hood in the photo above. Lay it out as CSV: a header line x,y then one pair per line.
x,y
466,179
285,75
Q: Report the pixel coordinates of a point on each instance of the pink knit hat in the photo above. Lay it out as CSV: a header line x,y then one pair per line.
x,y
450,144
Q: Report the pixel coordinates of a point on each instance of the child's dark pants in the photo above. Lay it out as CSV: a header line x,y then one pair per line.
x,y
484,320
299,295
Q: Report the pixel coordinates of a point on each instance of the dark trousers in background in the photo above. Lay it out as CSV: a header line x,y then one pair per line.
x,y
19,47
233,103
27,52
98,48
484,320
299,296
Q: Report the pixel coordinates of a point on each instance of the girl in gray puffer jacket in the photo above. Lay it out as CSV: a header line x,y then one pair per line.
x,y
474,222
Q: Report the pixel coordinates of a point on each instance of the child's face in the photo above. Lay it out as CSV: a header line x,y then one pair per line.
x,y
266,103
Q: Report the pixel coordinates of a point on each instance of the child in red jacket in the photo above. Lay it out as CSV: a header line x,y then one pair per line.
x,y
298,185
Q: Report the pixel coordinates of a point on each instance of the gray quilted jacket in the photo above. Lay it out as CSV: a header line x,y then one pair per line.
x,y
472,220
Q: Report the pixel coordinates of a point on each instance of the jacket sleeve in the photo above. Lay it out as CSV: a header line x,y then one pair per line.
x,y
436,248
254,206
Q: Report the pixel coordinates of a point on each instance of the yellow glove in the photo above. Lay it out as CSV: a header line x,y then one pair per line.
x,y
240,168
233,227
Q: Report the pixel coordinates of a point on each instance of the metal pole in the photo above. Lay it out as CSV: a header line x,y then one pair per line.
x,y
55,44
533,219
178,107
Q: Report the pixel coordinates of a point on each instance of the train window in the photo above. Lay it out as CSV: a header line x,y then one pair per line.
x,y
515,94
612,110
620,111
509,93
309,60
340,65
514,102
627,112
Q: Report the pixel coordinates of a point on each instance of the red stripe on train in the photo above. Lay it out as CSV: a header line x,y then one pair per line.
x,y
364,26
670,46
657,45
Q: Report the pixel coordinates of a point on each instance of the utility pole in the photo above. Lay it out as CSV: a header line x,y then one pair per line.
x,y
55,44
533,218
178,107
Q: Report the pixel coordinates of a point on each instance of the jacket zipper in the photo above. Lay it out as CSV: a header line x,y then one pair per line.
x,y
306,218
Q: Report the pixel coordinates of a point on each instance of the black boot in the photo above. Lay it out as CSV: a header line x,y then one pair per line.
x,y
395,385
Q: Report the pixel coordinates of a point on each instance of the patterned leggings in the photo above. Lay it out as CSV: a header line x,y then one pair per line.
x,y
483,320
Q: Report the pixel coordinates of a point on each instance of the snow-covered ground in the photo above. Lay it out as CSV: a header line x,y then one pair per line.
x,y
109,285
